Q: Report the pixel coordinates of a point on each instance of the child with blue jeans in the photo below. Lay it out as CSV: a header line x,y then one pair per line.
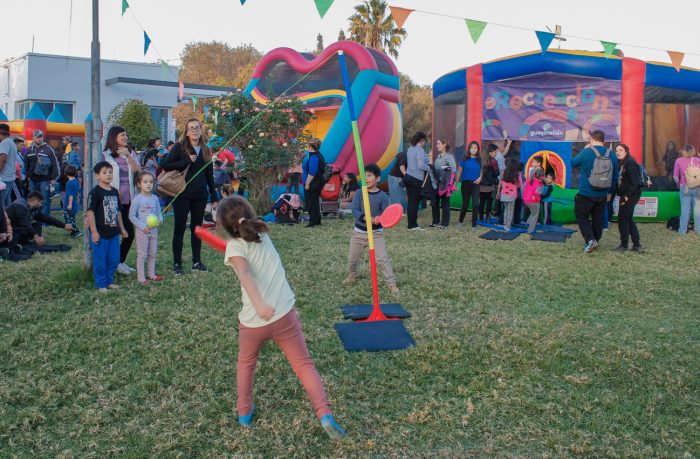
x,y
105,223
71,199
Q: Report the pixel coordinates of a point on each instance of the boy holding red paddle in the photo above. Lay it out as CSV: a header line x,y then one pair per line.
x,y
378,201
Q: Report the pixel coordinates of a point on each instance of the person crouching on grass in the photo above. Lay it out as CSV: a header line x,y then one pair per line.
x,y
105,223
378,201
268,311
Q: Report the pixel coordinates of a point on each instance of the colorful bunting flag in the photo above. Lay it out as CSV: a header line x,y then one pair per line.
x,y
180,90
206,111
125,5
322,6
242,2
216,117
164,70
146,42
545,39
400,15
676,59
194,103
608,47
476,28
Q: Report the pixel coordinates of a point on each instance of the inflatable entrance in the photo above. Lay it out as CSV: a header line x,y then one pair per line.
x,y
548,103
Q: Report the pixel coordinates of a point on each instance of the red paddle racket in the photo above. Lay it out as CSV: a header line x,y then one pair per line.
x,y
391,215
211,239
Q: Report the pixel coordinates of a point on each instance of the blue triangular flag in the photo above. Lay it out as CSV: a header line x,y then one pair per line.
x,y
545,39
3,117
146,42
206,111
242,2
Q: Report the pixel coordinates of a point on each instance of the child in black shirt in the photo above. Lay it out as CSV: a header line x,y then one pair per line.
x,y
105,223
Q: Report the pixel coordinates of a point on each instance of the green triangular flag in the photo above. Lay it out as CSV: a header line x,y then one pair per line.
x,y
194,104
164,69
216,117
476,28
322,6
125,5
609,47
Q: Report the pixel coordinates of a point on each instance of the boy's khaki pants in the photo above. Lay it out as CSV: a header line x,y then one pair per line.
x,y
358,242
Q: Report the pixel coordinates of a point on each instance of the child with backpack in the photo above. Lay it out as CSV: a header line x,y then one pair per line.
x,y
105,223
71,199
378,201
268,311
144,206
507,191
532,194
546,202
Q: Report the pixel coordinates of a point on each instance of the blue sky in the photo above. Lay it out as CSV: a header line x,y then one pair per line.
x,y
434,46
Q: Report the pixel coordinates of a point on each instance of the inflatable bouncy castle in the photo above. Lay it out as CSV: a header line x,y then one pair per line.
x,y
548,103
316,80
54,126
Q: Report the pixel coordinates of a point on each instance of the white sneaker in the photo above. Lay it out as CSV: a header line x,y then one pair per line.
x,y
123,269
131,270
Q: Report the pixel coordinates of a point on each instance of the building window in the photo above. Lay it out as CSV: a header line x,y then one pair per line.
x,y
46,107
160,119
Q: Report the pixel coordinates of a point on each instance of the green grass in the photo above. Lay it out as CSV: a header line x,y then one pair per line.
x,y
524,349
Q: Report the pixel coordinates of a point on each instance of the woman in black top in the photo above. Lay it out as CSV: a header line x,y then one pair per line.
x,y
191,151
629,189
347,192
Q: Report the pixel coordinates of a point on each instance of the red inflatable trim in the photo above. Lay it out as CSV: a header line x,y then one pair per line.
x,y
632,106
475,95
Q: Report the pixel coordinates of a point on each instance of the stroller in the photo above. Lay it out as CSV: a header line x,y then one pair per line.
x,y
331,193
287,209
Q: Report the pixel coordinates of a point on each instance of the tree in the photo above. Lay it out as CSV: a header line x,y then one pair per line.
x,y
214,63
370,27
341,35
268,146
417,104
134,116
319,44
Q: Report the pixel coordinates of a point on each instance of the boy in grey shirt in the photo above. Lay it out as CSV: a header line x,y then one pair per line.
x,y
378,201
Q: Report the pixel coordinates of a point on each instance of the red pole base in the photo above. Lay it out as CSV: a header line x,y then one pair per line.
x,y
377,313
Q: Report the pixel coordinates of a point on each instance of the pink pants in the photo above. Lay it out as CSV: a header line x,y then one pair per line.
x,y
286,333
146,251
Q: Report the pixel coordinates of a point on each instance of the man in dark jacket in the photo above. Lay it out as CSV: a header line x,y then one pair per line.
x,y
42,168
26,219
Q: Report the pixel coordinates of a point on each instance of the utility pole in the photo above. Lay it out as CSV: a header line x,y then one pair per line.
x,y
94,130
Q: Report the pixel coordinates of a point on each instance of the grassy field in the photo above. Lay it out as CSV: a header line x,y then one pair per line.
x,y
524,349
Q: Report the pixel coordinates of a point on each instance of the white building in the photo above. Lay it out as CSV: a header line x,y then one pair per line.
x,y
63,82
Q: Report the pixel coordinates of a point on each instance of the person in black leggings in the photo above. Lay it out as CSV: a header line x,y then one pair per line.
x,y
469,173
313,182
191,151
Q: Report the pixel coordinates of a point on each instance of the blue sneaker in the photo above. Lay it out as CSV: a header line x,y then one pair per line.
x,y
334,431
590,246
246,420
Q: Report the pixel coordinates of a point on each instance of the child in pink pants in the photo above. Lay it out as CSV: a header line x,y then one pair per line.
x,y
268,311
146,205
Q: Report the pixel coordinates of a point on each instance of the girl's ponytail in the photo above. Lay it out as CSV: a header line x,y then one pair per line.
x,y
237,217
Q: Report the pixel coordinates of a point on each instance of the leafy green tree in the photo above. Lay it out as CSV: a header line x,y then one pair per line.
x,y
341,35
417,105
371,27
134,116
319,44
269,142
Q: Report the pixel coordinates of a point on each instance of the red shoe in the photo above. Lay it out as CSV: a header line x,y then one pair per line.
x,y
146,282
157,278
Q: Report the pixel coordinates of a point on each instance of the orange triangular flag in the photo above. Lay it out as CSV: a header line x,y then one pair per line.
x,y
676,59
400,15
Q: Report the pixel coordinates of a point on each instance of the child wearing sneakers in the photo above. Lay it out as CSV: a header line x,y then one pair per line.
x,y
507,191
142,207
532,195
105,223
71,199
378,201
268,311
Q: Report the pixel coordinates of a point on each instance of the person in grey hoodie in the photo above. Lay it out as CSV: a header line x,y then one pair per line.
x,y
416,168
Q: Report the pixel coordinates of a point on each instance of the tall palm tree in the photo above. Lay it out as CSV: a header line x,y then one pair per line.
x,y
370,27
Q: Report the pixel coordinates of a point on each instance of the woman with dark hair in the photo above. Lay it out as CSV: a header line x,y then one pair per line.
x,y
416,168
469,173
192,154
312,172
347,192
489,180
630,190
668,160
125,166
445,168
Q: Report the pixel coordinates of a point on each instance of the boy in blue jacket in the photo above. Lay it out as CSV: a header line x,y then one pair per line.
x,y
590,203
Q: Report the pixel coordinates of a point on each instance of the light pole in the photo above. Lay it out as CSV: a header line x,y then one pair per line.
x,y
94,123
